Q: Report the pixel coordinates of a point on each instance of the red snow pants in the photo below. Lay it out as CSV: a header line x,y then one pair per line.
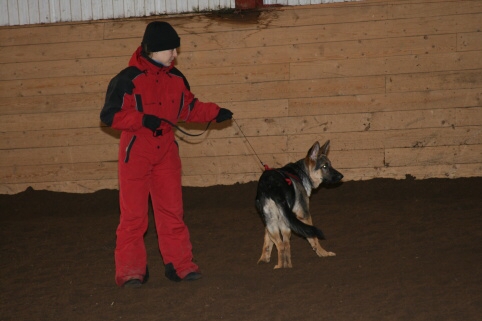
x,y
150,166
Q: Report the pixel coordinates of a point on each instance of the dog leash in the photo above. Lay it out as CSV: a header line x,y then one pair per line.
x,y
289,177
266,167
183,131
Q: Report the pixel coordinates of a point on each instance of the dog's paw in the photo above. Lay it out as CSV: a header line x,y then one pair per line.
x,y
263,260
325,253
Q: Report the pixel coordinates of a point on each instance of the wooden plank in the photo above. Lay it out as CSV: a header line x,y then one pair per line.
x,y
249,163
52,103
387,65
288,89
448,155
326,14
462,79
448,98
51,86
357,122
433,25
411,119
229,165
59,155
58,172
78,186
63,68
237,74
345,123
69,50
382,47
54,121
469,116
231,146
225,179
34,138
469,41
433,9
419,172
258,108
50,33
411,138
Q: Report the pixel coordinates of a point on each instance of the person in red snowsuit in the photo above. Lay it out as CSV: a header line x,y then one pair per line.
x,y
144,101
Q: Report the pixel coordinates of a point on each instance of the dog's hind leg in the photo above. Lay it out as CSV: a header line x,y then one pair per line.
x,y
315,243
281,239
267,248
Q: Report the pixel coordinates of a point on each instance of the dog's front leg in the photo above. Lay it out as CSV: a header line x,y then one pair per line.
x,y
267,248
314,242
315,245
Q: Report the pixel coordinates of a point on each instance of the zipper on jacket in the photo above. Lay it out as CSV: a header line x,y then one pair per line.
x,y
139,103
181,106
128,148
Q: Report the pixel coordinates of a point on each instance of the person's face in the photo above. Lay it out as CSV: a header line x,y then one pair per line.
x,y
164,57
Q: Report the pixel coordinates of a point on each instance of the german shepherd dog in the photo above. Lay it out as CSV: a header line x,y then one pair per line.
x,y
282,200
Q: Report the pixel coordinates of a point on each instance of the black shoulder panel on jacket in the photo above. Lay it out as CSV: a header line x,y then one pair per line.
x,y
178,73
120,85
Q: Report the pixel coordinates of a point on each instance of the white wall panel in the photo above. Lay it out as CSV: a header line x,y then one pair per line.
x,y
54,6
86,10
21,12
23,15
33,11
118,8
3,17
65,13
12,12
44,12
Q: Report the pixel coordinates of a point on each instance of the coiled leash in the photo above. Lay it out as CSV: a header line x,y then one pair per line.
x,y
158,132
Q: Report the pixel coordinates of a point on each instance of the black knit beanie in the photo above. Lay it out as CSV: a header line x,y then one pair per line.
x,y
159,36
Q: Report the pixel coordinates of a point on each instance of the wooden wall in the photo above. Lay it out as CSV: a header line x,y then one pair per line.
x,y
395,85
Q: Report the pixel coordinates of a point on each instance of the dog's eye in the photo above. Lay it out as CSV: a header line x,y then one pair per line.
x,y
324,166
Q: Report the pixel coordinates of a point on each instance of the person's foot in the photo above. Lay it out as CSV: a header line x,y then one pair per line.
x,y
132,283
172,275
193,276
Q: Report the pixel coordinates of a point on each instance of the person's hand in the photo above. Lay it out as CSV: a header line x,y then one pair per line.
x,y
224,114
150,121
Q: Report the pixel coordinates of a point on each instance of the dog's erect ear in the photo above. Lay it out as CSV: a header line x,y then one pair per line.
x,y
325,147
313,152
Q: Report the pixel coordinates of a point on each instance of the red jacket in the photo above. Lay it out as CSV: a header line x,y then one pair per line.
x,y
146,87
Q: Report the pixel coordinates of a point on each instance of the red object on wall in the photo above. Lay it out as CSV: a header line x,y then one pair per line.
x,y
248,4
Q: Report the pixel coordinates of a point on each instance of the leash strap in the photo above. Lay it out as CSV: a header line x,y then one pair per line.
x,y
181,130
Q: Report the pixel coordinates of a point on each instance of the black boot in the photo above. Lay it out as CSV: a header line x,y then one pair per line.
x,y
171,274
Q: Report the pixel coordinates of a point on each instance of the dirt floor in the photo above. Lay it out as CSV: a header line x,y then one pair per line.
x,y
406,250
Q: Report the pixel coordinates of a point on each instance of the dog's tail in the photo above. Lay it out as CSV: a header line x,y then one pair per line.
x,y
301,228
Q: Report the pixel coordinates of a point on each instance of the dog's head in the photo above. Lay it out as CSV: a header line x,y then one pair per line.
x,y
319,166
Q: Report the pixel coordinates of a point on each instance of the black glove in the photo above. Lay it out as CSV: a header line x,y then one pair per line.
x,y
150,121
224,114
